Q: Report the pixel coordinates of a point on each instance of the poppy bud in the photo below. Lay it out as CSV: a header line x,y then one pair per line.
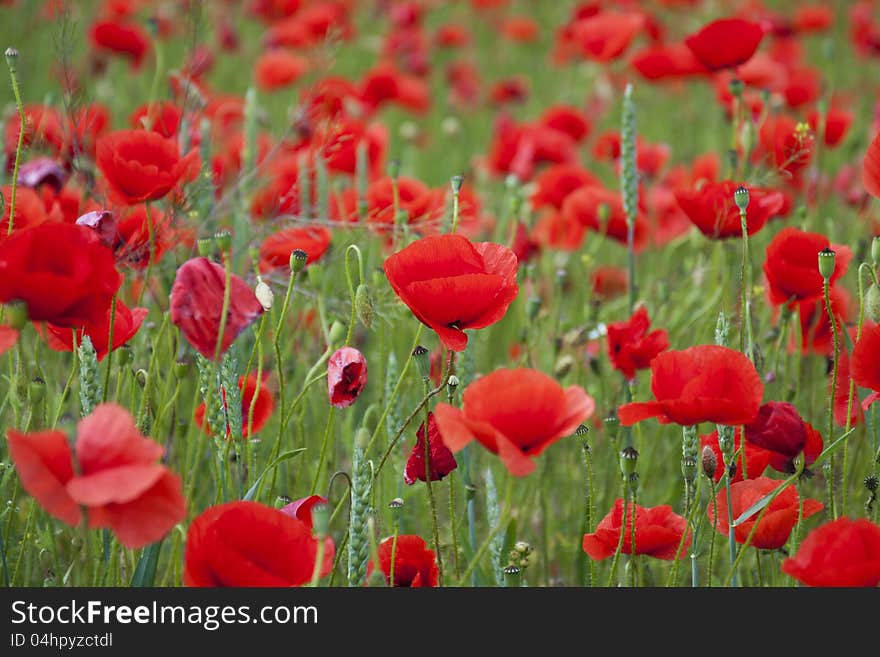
x,y
453,382
337,331
628,459
321,519
511,182
224,240
612,426
141,377
456,182
298,259
363,305
563,366
872,303
741,198
264,294
362,438
826,263
603,212
180,368
409,131
11,56
124,355
423,362
17,315
450,126
875,251
709,462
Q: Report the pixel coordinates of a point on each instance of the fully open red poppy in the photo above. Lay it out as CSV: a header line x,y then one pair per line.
x,y
779,519
631,347
712,209
725,43
659,531
276,249
415,566
197,304
126,323
842,552
706,383
516,414
251,544
792,266
452,284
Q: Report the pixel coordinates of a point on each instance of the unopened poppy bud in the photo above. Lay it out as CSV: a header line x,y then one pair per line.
x,y
736,87
875,251
298,259
563,366
36,390
741,198
561,277
533,306
871,483
264,294
321,519
363,305
17,315
612,426
337,331
512,576
872,303
124,355
393,169
709,462
423,361
282,501
224,240
205,247
455,182
628,460
362,438
826,263
689,468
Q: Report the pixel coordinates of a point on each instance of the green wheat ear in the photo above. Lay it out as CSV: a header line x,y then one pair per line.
x,y
90,390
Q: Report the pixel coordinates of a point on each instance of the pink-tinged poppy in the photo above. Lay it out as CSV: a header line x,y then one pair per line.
x,y
725,43
842,553
276,249
142,165
871,167
119,481
659,533
278,69
778,520
61,271
251,422
126,323
516,414
451,284
121,38
711,208
779,429
197,304
250,544
44,464
631,347
757,459
42,171
301,509
346,376
706,383
791,265
8,338
415,566
440,459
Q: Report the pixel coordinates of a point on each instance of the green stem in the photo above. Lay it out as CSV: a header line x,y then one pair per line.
x,y
836,354
13,74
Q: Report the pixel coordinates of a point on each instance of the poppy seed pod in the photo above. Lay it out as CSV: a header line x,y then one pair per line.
x,y
741,198
826,263
363,305
298,259
709,462
628,459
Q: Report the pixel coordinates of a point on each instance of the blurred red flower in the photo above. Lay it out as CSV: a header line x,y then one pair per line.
x,y
631,347
250,544
120,38
706,383
126,323
451,284
278,69
516,414
842,552
792,268
725,43
276,249
346,376
659,533
711,208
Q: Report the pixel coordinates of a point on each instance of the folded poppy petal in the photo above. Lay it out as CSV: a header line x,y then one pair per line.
x,y
44,465
635,412
108,438
197,304
440,459
659,533
346,376
301,509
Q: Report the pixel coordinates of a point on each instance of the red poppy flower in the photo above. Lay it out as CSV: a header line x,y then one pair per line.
x,y
602,210
44,464
725,43
792,268
301,509
250,423
8,338
865,363
516,414
555,183
29,210
555,230
451,284
414,198
278,69
842,404
138,234
757,459
568,120
197,302
126,323
442,462
779,519
141,165
790,148
524,245
346,376
250,544
609,282
842,552
61,271
415,565
659,531
837,123
712,209
120,482
706,383
631,347
162,117
779,429
605,36
276,249
664,61
120,38
871,167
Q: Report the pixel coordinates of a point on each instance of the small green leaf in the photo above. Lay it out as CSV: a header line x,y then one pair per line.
x,y
145,572
274,464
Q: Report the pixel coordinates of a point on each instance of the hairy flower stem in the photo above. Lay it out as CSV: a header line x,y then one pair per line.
x,y
11,56
747,339
431,502
836,354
